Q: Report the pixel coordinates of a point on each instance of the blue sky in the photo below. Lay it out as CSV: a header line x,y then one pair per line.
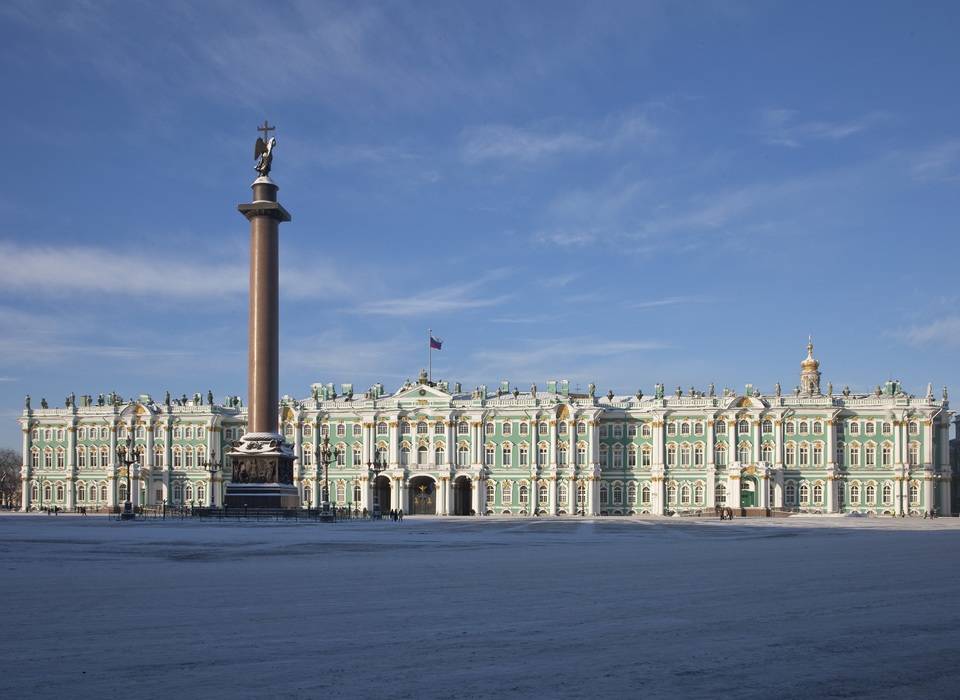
x,y
620,193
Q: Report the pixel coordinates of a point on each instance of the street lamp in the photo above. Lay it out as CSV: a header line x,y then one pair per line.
x,y
376,467
127,456
212,467
325,455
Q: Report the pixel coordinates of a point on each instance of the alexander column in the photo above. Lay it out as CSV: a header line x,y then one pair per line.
x,y
262,460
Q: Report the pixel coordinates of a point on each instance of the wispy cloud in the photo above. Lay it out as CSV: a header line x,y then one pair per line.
x,y
784,127
440,300
939,162
64,270
668,301
944,331
531,144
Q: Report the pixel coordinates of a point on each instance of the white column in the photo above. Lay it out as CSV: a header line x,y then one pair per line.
x,y
594,495
448,488
451,449
571,504
710,493
112,475
831,494
593,444
168,459
755,448
733,488
478,497
393,449
658,443
658,492
553,444
897,443
764,486
928,444
25,468
404,496
733,456
831,455
298,447
71,465
928,491
552,494
534,446
778,437
711,449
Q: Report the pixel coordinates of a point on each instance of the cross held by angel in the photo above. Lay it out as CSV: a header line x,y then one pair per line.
x,y
263,149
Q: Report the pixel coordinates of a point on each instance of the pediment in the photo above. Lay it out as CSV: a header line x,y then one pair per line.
x,y
422,395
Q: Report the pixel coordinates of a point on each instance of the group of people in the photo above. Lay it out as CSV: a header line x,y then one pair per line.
x,y
396,515
725,512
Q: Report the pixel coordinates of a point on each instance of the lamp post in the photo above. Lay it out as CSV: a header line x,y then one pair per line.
x,y
376,467
212,467
325,455
127,456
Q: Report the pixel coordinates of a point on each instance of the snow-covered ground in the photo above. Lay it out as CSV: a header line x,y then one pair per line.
x,y
465,608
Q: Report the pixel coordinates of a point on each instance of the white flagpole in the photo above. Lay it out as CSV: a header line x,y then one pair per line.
x,y
430,354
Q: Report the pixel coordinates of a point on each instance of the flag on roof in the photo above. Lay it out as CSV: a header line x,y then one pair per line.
x,y
435,343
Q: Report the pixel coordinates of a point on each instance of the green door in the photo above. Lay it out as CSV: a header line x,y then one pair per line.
x,y
748,493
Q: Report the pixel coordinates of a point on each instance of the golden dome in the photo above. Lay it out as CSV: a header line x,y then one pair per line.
x,y
809,363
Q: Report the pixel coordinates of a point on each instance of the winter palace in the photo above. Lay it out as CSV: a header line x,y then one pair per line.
x,y
431,447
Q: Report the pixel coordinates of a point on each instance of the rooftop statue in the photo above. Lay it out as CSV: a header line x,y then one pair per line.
x,y
263,149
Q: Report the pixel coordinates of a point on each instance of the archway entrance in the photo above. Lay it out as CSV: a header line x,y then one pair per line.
x,y
423,496
748,492
462,496
381,494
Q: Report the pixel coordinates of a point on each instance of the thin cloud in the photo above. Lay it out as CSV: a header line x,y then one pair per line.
x,y
528,145
440,300
940,162
944,331
782,127
669,301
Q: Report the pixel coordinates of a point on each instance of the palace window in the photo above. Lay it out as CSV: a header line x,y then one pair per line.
x,y
720,427
804,453
854,427
855,494
524,495
404,428
685,495
187,457
617,457
886,455
887,495
913,453
307,453
672,493
804,493
439,428
581,454
671,455
463,456
463,428
524,452
767,427
543,429
671,428
404,455
488,429
488,455
491,493
698,428
341,430
886,428
645,494
562,455
817,453
341,492
35,458
790,493
720,494
684,428
439,456
743,454
524,428
307,431
871,455
562,429
854,455
542,454
341,455
604,495
720,455
562,492
646,456
581,495
617,494
506,493
632,456
60,458
839,456
685,455
422,428
818,493
743,427
81,457
791,427
645,430
870,428
604,430
766,452
632,430
506,455
803,428
81,492
914,493
122,492
604,456
582,429
507,428
48,458
871,492
698,494
914,428
382,429
542,496
357,456
632,493
356,492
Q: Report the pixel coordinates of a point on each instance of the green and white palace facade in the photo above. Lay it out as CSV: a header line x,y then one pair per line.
x,y
545,451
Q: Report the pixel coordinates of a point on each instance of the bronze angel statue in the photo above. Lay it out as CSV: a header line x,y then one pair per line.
x,y
263,153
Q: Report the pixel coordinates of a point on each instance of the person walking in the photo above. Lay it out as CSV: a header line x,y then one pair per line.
x,y
400,515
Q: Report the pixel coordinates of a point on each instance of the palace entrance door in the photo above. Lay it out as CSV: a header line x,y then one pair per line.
x,y
748,492
381,494
423,496
462,496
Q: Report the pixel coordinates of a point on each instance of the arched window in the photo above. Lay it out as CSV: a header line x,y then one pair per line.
x,y
804,453
439,456
35,458
81,457
743,427
356,456
617,494
490,492
685,495
506,493
562,492
103,492
645,494
562,455
404,455
581,495
524,454
93,493
855,493
382,428
886,455
34,493
870,455
887,494
188,458
439,428
122,491
914,493
404,428
632,456
177,457
790,493
524,495
817,453
914,428
645,430
671,455
803,428
81,492
422,428
463,428
47,493
804,493
542,495
543,452
766,452
720,455
463,456
818,493
685,455
913,453
698,454
743,454
488,455
672,493
698,494
871,493
720,427
341,493
604,495
421,455
356,492
684,428
201,494
562,428
59,492
767,427
506,454
48,458
646,456
188,493
632,493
